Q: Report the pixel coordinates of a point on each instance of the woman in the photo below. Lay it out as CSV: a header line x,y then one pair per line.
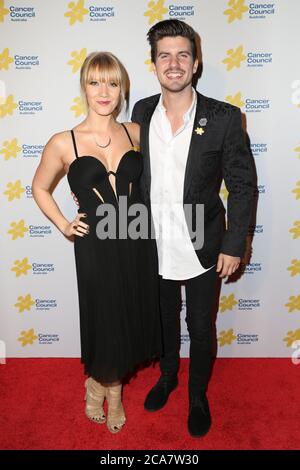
x,y
117,276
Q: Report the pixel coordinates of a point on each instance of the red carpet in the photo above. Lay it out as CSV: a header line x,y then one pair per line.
x,y
254,405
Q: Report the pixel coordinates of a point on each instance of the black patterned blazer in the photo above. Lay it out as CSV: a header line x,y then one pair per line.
x,y
219,152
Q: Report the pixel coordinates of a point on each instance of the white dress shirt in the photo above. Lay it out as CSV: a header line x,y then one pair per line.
x,y
168,158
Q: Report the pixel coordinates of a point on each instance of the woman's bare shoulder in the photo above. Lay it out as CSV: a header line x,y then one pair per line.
x,y
60,142
60,139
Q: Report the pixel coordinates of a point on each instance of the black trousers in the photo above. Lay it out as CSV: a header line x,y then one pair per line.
x,y
200,297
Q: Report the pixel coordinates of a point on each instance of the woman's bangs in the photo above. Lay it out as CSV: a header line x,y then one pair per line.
x,y
104,72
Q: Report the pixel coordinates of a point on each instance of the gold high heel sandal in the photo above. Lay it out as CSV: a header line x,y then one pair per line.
x,y
116,416
94,399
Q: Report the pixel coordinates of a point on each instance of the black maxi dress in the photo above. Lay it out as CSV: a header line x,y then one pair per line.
x,y
117,277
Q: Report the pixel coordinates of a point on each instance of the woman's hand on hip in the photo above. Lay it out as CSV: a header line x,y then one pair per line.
x,y
77,227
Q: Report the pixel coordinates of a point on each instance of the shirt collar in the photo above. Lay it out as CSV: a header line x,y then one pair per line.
x,y
189,113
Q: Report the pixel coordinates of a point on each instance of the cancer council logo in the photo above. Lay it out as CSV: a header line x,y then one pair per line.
x,y
255,10
234,58
156,11
21,267
18,229
295,230
236,10
256,59
235,100
226,337
76,12
7,106
10,148
14,190
293,304
27,337
294,268
252,105
3,11
77,59
5,59
296,190
291,337
24,303
78,107
149,64
227,303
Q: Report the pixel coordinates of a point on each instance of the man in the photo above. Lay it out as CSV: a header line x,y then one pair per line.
x,y
188,141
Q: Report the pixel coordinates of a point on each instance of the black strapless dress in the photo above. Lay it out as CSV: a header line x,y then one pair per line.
x,y
117,278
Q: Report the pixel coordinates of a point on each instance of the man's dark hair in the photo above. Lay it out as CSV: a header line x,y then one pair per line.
x,y
170,28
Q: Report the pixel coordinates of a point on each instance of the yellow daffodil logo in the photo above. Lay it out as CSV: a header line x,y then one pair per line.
x,y
224,193
235,100
293,304
234,59
10,149
27,337
18,229
297,149
227,302
76,12
149,64
14,190
199,130
77,59
296,229
295,267
236,10
21,267
8,106
3,11
24,303
5,59
156,11
297,190
291,337
226,337
78,108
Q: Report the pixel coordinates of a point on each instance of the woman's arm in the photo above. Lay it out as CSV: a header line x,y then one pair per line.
x,y
50,167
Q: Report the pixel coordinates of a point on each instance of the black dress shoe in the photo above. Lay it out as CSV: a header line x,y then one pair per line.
x,y
159,394
199,420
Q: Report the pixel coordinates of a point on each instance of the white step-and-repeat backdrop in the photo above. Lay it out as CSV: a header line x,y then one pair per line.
x,y
251,53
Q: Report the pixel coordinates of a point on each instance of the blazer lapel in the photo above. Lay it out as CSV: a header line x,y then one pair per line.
x,y
193,153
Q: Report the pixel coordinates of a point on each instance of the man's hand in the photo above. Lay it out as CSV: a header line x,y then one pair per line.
x,y
75,199
227,265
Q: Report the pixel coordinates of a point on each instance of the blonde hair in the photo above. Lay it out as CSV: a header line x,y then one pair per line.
x,y
106,67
